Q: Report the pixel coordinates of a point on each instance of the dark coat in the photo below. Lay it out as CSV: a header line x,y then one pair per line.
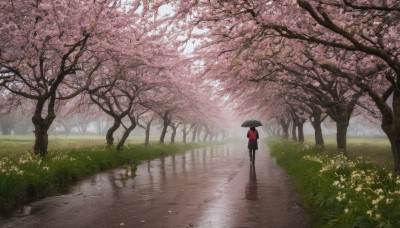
x,y
252,145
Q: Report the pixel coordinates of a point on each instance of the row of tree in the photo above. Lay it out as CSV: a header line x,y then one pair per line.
x,y
121,58
306,60
82,124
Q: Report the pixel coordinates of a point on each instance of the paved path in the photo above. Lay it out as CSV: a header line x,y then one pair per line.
x,y
211,187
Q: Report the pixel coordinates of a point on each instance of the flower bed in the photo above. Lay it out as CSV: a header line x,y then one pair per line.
x,y
340,192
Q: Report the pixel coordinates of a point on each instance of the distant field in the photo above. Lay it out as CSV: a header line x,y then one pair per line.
x,y
374,150
15,144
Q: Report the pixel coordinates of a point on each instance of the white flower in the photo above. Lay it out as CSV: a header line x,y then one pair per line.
x,y
339,198
398,181
377,216
336,183
376,201
312,158
45,168
359,188
369,212
388,201
346,210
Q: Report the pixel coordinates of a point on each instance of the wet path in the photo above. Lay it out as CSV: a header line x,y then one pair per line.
x,y
211,187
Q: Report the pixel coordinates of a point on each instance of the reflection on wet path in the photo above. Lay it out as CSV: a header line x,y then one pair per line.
x,y
201,188
251,186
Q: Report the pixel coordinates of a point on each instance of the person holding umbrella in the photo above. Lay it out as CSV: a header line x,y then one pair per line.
x,y
252,134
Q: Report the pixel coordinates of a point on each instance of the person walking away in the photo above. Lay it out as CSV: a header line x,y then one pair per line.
x,y
252,134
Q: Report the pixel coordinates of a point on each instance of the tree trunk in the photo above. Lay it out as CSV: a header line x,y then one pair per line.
x,y
294,136
396,155
173,134
147,139
205,137
301,132
126,134
316,123
184,133
111,130
121,142
67,129
83,129
163,132
341,136
341,113
194,133
199,133
42,125
41,137
285,129
394,139
210,138
319,139
285,126
391,126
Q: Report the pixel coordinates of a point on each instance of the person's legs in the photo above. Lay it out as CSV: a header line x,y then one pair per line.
x,y
250,154
253,156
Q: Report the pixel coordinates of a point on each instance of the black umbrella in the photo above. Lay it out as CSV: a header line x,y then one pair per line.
x,y
251,123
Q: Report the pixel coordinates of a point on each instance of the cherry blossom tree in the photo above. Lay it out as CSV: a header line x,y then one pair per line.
x,y
144,121
51,49
367,27
357,27
118,96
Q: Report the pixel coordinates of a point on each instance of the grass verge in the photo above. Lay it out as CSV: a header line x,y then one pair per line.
x,y
373,150
340,192
24,177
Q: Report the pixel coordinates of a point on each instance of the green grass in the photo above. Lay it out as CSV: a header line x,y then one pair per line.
x,y
25,177
373,150
21,144
340,191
